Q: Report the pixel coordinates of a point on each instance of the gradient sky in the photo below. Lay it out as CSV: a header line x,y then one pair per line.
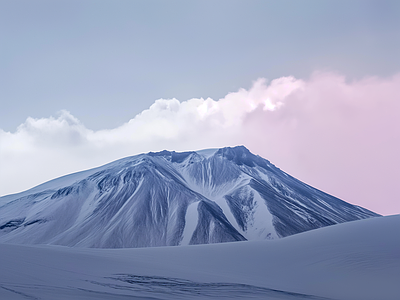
x,y
87,75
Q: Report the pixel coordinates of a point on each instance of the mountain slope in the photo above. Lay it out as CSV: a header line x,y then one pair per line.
x,y
170,198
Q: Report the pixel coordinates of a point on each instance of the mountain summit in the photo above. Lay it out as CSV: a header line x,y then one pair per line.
x,y
171,198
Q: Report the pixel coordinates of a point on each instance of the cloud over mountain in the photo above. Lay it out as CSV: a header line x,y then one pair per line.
x,y
340,136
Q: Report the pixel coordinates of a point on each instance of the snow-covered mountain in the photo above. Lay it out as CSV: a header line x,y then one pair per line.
x,y
170,198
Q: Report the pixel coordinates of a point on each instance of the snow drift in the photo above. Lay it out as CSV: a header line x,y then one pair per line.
x,y
352,261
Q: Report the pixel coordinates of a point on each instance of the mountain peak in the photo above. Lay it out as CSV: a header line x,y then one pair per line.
x,y
238,154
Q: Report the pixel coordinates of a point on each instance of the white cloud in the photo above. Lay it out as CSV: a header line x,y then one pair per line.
x,y
340,136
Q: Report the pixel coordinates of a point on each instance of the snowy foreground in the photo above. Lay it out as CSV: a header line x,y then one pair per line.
x,y
355,260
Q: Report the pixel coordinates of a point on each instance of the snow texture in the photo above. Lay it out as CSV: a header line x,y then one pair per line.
x,y
352,261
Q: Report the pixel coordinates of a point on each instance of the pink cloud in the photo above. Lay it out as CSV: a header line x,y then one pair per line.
x,y
342,137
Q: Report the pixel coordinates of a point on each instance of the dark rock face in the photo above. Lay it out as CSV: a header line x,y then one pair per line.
x,y
170,198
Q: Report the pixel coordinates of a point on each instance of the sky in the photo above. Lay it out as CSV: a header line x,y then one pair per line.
x,y
312,86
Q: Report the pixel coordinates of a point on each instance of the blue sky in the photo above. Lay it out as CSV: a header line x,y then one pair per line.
x,y
313,86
